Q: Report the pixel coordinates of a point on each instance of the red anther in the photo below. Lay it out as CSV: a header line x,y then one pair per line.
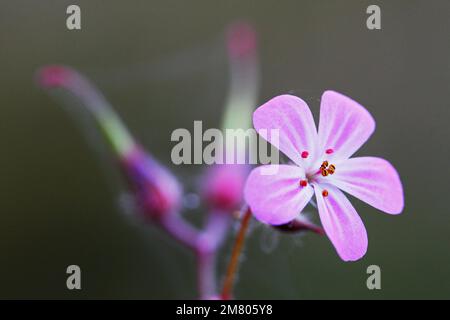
x,y
331,169
329,151
305,154
325,193
303,183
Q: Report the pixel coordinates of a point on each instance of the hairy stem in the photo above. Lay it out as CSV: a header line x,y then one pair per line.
x,y
235,255
206,275
209,241
203,243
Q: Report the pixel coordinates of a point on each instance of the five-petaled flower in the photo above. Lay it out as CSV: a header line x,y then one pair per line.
x,y
322,166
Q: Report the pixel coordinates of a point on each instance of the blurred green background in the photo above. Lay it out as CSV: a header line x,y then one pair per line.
x,y
162,65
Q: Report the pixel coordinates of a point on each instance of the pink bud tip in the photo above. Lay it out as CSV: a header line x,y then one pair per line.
x,y
53,76
305,154
241,40
223,186
329,151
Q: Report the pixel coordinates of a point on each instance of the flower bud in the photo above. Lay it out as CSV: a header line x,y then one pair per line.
x,y
156,190
223,186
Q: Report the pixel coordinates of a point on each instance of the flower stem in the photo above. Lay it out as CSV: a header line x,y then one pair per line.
x,y
206,275
180,230
234,261
204,244
208,243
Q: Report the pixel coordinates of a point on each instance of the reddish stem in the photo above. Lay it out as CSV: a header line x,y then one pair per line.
x,y
234,261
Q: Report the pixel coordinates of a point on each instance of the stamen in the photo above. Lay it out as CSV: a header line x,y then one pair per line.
x,y
331,169
303,183
305,154
325,193
329,151
326,168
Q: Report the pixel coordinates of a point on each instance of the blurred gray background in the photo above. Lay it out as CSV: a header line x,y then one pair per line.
x,y
162,65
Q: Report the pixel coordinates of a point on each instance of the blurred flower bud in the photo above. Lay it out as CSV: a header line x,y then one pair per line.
x,y
241,40
54,76
156,190
58,79
223,186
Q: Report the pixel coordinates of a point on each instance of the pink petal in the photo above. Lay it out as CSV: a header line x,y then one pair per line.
x,y
344,125
341,223
278,198
372,180
297,130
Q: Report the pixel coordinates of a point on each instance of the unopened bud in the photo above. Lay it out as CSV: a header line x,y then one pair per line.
x,y
223,186
156,190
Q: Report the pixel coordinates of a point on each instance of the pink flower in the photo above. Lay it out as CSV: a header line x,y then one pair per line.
x,y
322,167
